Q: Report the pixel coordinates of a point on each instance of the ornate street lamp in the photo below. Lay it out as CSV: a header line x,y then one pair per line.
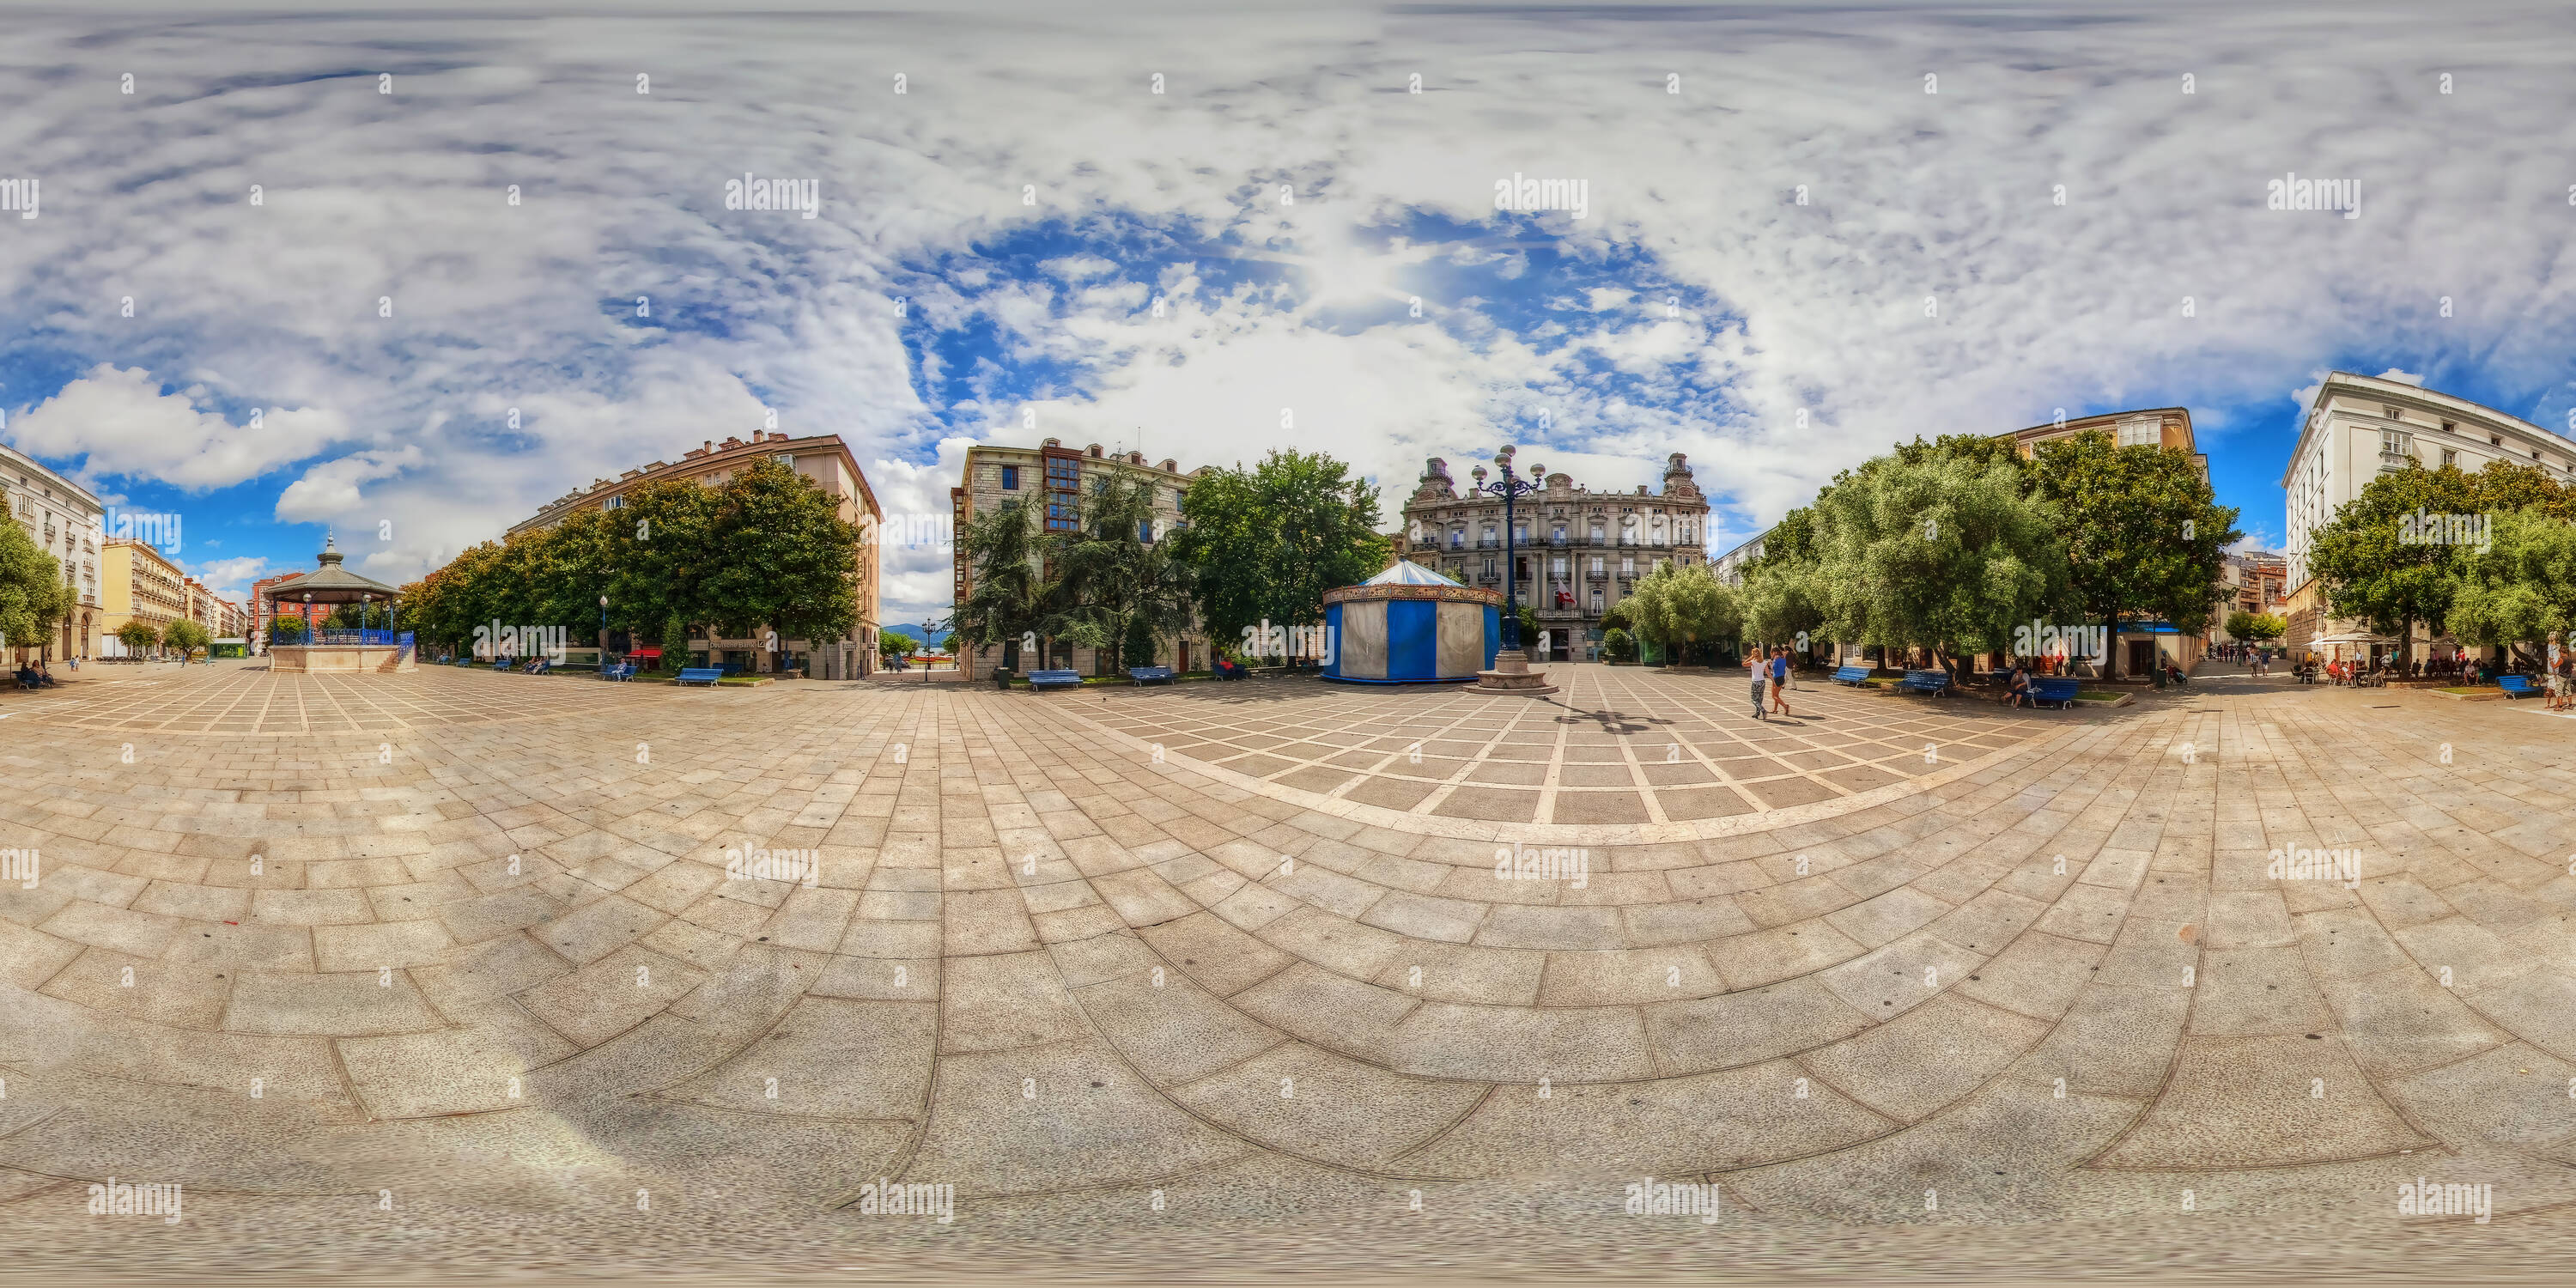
x,y
1511,673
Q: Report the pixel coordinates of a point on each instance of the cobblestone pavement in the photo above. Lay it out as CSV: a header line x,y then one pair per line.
x,y
448,970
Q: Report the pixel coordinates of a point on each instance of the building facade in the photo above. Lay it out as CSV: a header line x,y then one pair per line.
x,y
312,615
826,461
1578,553
137,583
2358,428
66,522
1058,477
2251,581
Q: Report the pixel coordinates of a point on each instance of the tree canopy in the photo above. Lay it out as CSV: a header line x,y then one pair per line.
x,y
1269,541
2143,533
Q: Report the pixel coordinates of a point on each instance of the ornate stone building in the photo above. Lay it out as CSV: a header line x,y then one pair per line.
x,y
1579,552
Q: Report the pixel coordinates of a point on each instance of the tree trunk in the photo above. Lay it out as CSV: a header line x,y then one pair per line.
x,y
2405,643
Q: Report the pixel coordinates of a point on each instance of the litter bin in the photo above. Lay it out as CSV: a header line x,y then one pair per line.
x,y
1001,678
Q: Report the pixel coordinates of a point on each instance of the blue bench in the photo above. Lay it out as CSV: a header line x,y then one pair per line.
x,y
620,671
706,675
1226,670
2053,689
2518,686
502,664
1936,683
1143,675
1055,679
1852,675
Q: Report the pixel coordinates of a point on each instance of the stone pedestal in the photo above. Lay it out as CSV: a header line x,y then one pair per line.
x,y
1511,676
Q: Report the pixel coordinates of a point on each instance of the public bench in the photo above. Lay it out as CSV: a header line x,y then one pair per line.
x,y
706,675
1055,679
1852,675
2046,690
1936,683
1144,675
2518,686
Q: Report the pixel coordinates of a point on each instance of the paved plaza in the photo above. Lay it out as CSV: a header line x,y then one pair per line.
x,y
459,969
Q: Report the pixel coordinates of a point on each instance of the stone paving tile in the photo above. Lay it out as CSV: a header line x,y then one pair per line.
x,y
1046,967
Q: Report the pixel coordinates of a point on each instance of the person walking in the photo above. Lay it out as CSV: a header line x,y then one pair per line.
x,y
1761,679
1780,680
2557,672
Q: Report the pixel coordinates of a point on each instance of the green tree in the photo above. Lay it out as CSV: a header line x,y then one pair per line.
x,y
2255,628
1010,590
675,643
137,636
896,643
1685,611
2521,587
2142,531
1117,589
186,635
1617,645
2377,567
1950,552
1266,543
782,557
281,630
33,597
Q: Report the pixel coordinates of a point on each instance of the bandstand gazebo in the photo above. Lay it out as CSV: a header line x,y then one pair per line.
x,y
337,650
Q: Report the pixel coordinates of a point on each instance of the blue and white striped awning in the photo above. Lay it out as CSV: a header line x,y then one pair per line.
x,y
1405,572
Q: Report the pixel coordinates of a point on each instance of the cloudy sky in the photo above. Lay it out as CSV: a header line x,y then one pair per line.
x,y
1804,233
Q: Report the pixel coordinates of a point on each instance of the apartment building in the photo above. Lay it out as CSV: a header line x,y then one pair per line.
x,y
2252,581
137,583
311,615
2359,427
822,458
1058,477
1577,552
66,522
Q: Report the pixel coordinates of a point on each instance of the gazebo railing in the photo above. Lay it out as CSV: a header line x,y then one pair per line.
x,y
336,636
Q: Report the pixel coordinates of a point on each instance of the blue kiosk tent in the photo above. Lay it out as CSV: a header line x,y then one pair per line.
x,y
1410,625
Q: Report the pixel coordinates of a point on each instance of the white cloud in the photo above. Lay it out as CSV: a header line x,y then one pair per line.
x,y
120,424
1815,307
231,578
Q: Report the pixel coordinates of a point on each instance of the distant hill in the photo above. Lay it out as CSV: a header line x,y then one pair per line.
x,y
917,631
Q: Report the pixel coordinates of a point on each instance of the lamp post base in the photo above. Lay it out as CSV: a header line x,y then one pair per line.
x,y
1512,677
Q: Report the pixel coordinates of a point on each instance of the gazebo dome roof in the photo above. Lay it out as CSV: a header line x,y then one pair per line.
x,y
330,583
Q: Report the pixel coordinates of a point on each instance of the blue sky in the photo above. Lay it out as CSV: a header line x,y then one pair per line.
x,y
1805,234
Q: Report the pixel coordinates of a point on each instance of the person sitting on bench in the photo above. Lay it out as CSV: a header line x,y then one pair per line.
x,y
2019,692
